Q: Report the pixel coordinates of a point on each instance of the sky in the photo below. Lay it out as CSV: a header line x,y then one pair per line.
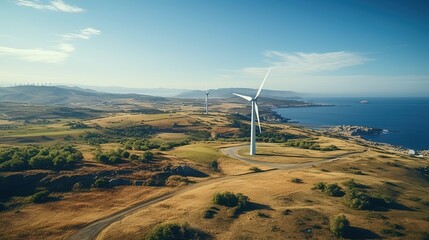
x,y
326,48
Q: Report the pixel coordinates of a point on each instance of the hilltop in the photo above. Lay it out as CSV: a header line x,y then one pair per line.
x,y
227,93
60,95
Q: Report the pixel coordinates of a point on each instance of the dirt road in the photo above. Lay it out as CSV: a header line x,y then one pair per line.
x,y
92,230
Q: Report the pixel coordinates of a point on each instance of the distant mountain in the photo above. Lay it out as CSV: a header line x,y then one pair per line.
x,y
227,93
63,95
160,92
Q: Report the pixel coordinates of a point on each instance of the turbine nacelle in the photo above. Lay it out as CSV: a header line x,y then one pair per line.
x,y
254,100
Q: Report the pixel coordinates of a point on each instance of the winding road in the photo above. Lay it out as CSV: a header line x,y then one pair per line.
x,y
92,230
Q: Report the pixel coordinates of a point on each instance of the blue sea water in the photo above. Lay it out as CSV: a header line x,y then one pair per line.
x,y
406,119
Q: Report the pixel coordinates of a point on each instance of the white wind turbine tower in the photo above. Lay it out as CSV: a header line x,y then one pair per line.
x,y
207,102
254,110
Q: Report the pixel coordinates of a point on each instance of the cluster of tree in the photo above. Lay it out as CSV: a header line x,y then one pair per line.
x,y
110,157
197,135
133,131
145,144
330,189
94,138
55,157
239,201
309,144
166,231
355,195
358,198
339,225
76,125
116,156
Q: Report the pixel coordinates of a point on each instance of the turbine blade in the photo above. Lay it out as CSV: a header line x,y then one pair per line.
x,y
257,117
242,96
263,82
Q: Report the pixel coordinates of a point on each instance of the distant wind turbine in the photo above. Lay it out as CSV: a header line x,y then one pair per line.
x,y
207,102
254,110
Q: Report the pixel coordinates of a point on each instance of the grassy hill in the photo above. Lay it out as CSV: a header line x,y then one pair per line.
x,y
64,95
227,93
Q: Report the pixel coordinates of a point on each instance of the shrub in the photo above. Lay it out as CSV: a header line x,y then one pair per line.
x,y
333,190
350,183
77,187
229,199
148,156
296,180
357,199
40,197
214,165
209,213
286,212
171,231
330,148
111,157
125,154
339,225
255,169
101,183
320,185
134,157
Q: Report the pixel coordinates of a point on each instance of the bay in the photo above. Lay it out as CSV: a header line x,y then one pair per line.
x,y
406,119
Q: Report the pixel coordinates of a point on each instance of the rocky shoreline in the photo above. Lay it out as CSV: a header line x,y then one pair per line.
x,y
357,132
353,130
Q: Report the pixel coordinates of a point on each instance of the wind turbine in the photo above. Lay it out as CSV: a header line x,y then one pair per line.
x,y
254,110
207,102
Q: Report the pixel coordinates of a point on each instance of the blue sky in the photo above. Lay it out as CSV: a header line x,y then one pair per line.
x,y
349,48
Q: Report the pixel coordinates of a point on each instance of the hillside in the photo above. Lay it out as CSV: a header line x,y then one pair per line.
x,y
227,93
64,95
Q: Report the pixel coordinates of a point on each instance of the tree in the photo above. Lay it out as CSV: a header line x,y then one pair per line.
x,y
148,155
339,225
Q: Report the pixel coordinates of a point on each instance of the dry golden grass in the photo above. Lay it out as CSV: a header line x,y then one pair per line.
x,y
275,192
59,219
278,153
169,136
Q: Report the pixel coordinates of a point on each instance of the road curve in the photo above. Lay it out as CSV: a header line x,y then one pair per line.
x,y
233,153
92,230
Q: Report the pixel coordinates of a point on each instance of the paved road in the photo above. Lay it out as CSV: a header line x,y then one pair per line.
x,y
233,153
92,230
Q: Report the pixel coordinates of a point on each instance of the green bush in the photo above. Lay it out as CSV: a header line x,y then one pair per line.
x,y
229,199
171,231
320,185
296,180
148,156
101,183
110,157
134,157
125,154
333,190
357,199
255,169
330,148
214,165
40,197
339,225
54,157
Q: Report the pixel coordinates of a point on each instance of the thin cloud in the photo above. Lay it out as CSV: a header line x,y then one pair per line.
x,y
56,55
296,63
313,62
86,33
54,5
35,55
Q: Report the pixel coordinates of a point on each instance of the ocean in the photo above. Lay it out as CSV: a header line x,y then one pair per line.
x,y
406,119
